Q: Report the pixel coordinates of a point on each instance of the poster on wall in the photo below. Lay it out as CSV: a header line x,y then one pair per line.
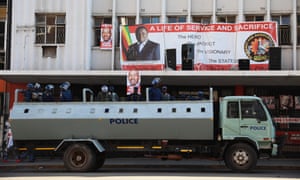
x,y
133,82
297,102
286,102
106,36
269,101
206,46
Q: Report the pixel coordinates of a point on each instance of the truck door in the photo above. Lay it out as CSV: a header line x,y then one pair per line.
x,y
253,122
231,121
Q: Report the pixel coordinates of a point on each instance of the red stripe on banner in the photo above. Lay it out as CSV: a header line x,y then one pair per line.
x,y
143,67
203,67
186,27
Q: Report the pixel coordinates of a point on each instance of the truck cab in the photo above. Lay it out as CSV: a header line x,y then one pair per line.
x,y
246,118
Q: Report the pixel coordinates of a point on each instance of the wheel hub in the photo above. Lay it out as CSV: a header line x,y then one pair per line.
x,y
240,158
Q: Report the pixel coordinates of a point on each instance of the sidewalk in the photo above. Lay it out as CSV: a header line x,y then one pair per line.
x,y
272,164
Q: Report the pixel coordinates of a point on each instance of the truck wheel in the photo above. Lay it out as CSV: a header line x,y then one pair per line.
x,y
80,157
240,157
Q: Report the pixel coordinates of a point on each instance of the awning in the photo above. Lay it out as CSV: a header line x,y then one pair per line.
x,y
180,78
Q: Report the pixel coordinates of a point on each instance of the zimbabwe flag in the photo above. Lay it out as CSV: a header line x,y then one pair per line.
x,y
126,41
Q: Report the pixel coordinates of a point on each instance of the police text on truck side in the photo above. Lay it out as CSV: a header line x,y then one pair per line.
x,y
123,121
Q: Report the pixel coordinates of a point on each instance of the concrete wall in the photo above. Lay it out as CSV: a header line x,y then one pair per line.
x,y
73,55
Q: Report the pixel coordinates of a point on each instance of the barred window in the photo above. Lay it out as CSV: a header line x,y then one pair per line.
x,y
150,19
298,29
124,20
50,29
226,19
176,19
97,28
2,60
254,18
2,35
284,29
202,19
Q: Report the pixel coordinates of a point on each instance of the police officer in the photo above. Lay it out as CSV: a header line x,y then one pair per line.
x,y
37,94
113,94
28,92
155,92
48,93
65,92
104,94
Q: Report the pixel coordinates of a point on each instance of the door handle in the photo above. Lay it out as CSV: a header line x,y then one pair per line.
x,y
244,126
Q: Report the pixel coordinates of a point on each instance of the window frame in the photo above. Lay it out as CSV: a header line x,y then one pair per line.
x,y
254,18
152,19
177,19
98,21
227,19
284,29
202,19
45,23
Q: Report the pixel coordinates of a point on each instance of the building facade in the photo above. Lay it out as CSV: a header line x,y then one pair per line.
x,y
55,40
63,35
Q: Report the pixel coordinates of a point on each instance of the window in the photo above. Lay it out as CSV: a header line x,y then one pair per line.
x,y
298,29
2,60
254,18
2,35
233,110
202,19
2,43
3,2
176,19
50,29
150,19
253,110
97,27
127,20
226,19
284,29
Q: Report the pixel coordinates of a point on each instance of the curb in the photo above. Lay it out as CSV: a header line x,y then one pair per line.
x,y
46,164
60,166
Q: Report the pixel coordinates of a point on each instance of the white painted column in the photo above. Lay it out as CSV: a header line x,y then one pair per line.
x,y
137,19
114,26
294,35
268,18
214,11
163,11
189,10
88,17
241,11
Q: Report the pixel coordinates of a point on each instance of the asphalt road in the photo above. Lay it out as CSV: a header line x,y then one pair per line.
x,y
153,174
146,163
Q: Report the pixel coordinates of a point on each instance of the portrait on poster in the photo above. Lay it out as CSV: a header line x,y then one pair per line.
x,y
106,36
286,102
133,81
297,102
269,101
143,48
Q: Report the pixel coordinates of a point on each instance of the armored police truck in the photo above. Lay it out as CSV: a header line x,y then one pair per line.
x,y
237,129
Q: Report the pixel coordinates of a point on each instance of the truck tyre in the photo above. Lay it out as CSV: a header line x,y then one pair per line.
x,y
240,157
80,157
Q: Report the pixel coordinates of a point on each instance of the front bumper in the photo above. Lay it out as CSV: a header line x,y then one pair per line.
x,y
274,149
